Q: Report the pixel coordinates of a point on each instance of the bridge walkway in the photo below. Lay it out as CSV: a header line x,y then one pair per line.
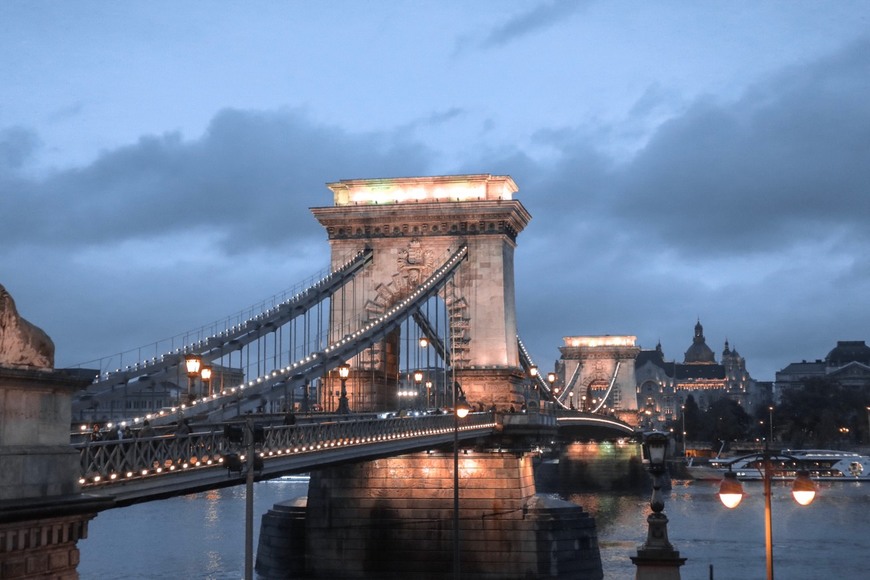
x,y
137,470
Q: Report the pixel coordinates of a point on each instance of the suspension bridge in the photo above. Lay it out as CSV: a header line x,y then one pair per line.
x,y
414,318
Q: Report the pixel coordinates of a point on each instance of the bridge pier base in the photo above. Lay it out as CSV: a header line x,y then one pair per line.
x,y
392,518
42,513
502,387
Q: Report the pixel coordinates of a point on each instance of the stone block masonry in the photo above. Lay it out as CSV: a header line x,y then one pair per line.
x,y
393,519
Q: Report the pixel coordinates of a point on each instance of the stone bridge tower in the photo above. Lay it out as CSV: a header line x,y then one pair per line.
x,y
588,367
413,224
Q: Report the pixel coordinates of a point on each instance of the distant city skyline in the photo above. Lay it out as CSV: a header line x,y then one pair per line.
x,y
680,161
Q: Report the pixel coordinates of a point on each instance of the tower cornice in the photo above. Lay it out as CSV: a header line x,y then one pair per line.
x,y
461,218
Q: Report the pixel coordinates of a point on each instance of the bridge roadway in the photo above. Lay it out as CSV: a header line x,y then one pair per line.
x,y
148,468
143,469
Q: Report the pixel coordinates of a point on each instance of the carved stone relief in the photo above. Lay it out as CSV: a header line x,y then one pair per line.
x,y
22,343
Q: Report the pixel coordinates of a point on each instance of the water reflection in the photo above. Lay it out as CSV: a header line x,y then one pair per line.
x,y
201,536
827,538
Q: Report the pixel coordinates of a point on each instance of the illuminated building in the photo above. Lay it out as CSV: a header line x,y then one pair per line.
x,y
662,386
848,364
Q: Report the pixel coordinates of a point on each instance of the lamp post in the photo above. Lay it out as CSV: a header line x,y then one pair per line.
x,y
656,558
582,403
418,380
731,492
771,423
428,394
683,417
205,374
551,379
343,373
306,406
192,362
249,499
460,411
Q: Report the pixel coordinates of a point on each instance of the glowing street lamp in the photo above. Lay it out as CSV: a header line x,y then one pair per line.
x,y
343,373
551,379
771,423
193,362
418,380
205,374
731,493
460,411
683,417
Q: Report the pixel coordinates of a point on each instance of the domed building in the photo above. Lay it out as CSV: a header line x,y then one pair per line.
x,y
699,353
848,363
663,387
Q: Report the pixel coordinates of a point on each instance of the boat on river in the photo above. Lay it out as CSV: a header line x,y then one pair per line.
x,y
822,465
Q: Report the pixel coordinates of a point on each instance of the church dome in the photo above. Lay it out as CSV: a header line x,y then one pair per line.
x,y
848,351
699,352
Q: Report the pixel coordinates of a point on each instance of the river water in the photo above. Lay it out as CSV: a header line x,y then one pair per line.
x,y
202,536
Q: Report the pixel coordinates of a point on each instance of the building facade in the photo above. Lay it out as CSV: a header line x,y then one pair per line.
x,y
596,373
848,363
663,386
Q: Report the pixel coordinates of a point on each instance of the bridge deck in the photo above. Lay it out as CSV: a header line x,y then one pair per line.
x,y
132,471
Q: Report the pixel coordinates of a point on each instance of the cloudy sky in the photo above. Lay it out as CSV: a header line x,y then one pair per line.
x,y
681,160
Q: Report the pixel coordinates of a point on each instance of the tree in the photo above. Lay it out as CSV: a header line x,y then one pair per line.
x,y
822,413
693,419
726,420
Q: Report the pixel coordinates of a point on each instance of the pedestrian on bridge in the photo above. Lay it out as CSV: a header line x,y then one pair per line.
x,y
147,430
182,428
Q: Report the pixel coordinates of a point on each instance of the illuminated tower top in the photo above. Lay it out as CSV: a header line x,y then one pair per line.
x,y
435,189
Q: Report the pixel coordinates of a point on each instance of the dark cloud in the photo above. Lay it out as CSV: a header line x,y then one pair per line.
x,y
17,146
168,234
531,21
750,215
538,18
66,113
789,159
245,180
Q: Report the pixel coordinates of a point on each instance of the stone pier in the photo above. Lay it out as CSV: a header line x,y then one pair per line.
x,y
42,513
392,518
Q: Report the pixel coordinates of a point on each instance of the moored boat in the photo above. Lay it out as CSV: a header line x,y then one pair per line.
x,y
822,465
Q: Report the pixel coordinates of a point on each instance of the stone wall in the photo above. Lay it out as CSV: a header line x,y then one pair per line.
x,y
42,548
393,519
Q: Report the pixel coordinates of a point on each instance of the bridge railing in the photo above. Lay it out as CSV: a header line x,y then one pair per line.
x,y
106,462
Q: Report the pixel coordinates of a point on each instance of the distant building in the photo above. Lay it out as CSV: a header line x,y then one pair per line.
x,y
596,373
848,364
610,373
150,394
662,386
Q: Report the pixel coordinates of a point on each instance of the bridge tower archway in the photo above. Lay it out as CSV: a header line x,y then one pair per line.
x,y
413,225
591,364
